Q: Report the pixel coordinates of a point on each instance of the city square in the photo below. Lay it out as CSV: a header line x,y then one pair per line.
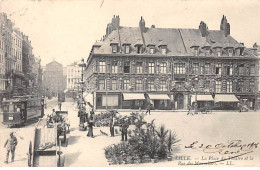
x,y
90,84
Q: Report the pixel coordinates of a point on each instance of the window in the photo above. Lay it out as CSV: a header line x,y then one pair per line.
x,y
114,48
126,84
151,50
179,68
229,87
230,52
229,70
101,84
218,69
218,52
114,84
139,85
127,49
241,69
196,51
207,68
195,68
252,70
164,50
127,67
218,86
139,67
252,86
163,86
240,86
151,67
102,67
150,84
206,83
114,67
139,49
163,68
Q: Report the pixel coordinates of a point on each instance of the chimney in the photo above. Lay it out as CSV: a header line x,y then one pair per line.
x,y
142,24
203,29
225,26
115,22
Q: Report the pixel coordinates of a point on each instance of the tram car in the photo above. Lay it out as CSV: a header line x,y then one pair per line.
x,y
61,97
21,109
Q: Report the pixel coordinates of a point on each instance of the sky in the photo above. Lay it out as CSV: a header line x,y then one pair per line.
x,y
65,30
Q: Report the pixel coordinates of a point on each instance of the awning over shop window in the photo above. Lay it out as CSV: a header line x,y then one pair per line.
x,y
133,96
225,98
202,97
159,97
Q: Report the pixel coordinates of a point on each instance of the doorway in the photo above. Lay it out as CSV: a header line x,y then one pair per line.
x,y
179,101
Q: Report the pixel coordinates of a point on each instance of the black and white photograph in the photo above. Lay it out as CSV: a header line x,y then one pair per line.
x,y
129,83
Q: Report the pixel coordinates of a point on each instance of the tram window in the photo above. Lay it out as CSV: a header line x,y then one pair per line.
x,y
11,108
22,106
5,108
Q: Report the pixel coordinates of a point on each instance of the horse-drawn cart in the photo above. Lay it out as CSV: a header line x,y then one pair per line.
x,y
46,149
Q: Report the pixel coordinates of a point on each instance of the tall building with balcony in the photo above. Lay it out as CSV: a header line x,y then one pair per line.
x,y
171,68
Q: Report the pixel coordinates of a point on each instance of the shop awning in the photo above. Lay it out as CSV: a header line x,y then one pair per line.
x,y
133,96
159,97
202,97
225,98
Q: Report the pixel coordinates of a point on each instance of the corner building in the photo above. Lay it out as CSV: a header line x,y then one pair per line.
x,y
171,68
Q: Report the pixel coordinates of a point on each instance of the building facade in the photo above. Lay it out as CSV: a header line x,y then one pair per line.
x,y
73,76
171,68
53,79
2,63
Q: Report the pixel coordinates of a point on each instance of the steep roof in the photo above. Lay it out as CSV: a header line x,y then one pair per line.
x,y
178,41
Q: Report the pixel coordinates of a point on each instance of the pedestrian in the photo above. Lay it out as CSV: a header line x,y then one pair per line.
x,y
59,104
239,106
190,110
124,128
10,145
90,125
112,125
53,114
148,109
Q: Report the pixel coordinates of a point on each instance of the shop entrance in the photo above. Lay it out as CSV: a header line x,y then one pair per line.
x,y
179,101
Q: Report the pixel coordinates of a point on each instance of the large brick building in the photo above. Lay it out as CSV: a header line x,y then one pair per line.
x,y
53,79
171,68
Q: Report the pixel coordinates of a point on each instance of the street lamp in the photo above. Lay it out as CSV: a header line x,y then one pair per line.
x,y
82,112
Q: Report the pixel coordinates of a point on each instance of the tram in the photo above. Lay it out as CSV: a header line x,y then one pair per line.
x,y
61,97
21,109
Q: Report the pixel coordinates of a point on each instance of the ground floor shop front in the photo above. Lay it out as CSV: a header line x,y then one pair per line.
x,y
167,101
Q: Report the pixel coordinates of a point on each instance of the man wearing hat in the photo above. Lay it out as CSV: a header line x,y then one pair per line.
x,y
124,127
10,145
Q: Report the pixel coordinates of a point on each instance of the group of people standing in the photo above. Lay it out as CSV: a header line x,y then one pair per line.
x,y
87,121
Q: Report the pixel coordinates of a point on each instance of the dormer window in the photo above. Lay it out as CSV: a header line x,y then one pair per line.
x,y
164,50
139,49
163,47
230,52
114,48
126,47
139,46
196,51
151,48
206,48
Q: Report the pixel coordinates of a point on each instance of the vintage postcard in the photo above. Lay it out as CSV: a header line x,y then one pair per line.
x,y
129,83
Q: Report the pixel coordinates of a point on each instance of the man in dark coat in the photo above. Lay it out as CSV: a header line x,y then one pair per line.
x,y
112,125
124,127
10,145
148,108
91,124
